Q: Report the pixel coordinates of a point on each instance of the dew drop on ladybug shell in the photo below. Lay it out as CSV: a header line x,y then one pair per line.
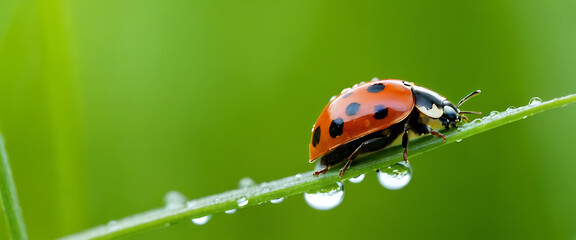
x,y
395,176
325,198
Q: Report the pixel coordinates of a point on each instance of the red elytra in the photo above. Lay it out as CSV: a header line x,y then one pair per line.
x,y
370,116
395,96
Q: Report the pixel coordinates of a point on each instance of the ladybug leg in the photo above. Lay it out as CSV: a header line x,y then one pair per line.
x,y
365,146
321,171
422,128
437,134
405,143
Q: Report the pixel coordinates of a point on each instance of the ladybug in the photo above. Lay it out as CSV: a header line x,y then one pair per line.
x,y
370,116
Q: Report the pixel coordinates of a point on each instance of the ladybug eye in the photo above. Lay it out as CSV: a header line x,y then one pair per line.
x,y
450,113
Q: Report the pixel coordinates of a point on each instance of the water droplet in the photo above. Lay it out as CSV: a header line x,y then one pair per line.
x,y
112,225
495,115
332,98
231,211
277,200
476,121
459,140
242,201
201,220
246,183
216,200
357,179
375,79
524,117
345,90
535,101
395,176
511,109
174,200
325,198
298,176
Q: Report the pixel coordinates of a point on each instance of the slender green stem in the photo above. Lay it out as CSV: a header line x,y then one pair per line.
x,y
10,198
303,182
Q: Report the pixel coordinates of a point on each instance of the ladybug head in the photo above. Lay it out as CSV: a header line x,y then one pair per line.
x,y
434,106
452,115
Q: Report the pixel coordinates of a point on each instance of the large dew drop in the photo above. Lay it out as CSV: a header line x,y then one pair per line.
x,y
395,176
325,198
201,220
174,200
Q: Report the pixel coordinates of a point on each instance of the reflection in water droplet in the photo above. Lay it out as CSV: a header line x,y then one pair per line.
x,y
325,198
459,140
277,200
231,211
242,201
174,200
357,179
395,176
246,182
112,225
535,101
201,220
524,117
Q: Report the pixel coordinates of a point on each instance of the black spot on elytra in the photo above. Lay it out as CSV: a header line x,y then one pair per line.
x,y
352,108
336,127
316,136
375,88
380,112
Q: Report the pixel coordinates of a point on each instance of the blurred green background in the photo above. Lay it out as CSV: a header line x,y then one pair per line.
x,y
107,105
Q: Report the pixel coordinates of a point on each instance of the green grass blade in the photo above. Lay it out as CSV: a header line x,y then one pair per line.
x,y
303,182
10,202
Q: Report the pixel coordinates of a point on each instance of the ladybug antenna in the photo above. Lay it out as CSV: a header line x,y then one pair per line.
x,y
468,97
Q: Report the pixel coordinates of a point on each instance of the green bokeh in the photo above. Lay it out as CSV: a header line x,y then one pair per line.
x,y
107,105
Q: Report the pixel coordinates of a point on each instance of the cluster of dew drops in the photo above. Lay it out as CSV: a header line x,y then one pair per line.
x,y
393,177
176,200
